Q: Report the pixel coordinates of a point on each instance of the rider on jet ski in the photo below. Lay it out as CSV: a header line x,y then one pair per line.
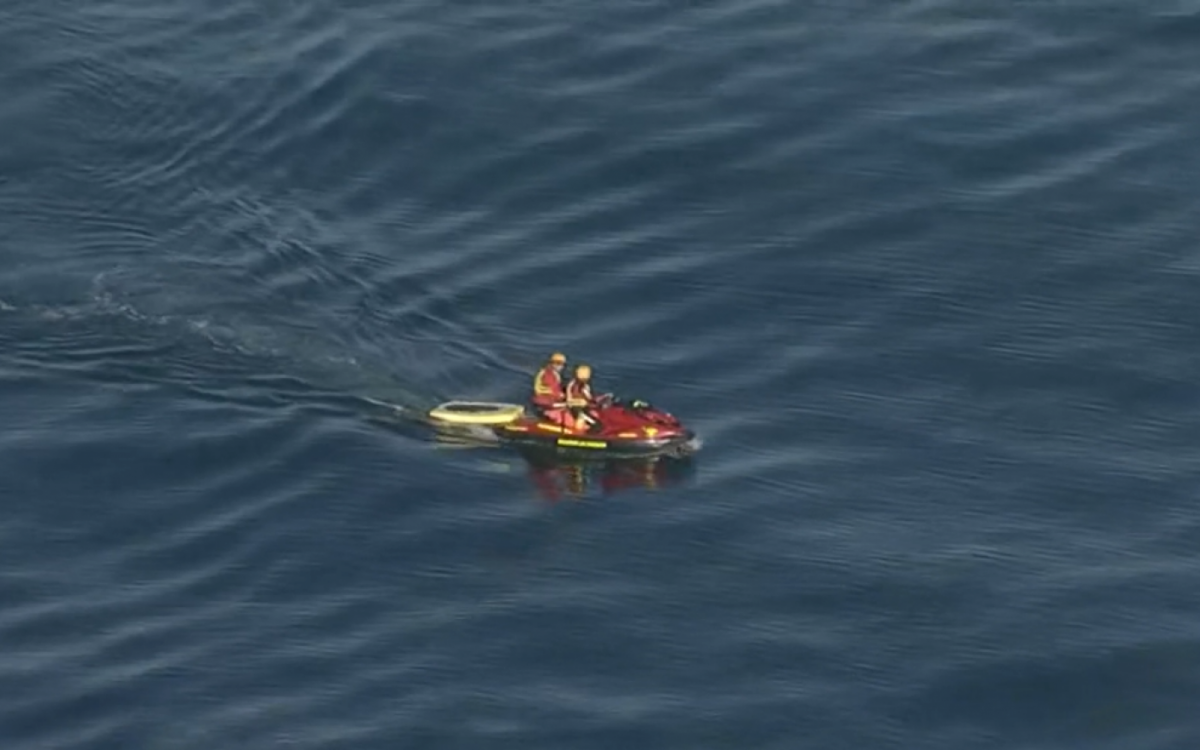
x,y
572,407
581,402
549,399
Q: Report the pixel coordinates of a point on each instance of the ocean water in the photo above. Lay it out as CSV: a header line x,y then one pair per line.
x,y
922,274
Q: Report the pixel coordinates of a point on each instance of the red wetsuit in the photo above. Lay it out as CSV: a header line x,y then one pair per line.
x,y
548,395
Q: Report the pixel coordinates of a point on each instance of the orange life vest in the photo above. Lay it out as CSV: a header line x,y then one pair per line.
x,y
579,394
547,387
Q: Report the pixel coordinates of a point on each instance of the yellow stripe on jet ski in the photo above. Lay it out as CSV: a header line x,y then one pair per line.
x,y
572,443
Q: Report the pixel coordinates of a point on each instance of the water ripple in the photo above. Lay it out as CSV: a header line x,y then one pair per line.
x,y
921,276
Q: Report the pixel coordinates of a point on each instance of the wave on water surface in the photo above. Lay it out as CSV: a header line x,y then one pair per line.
x,y
920,273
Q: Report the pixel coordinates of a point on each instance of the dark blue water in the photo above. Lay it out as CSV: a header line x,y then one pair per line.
x,y
922,274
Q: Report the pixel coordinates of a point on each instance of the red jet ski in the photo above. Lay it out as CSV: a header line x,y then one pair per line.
x,y
622,429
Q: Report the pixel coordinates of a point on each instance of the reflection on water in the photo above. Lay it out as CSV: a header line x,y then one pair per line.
x,y
559,480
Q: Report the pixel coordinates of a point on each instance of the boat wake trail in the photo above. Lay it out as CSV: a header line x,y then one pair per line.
x,y
110,341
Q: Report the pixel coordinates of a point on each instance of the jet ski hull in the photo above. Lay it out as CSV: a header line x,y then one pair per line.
x,y
621,430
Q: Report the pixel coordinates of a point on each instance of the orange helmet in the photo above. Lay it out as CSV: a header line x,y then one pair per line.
x,y
583,372
558,358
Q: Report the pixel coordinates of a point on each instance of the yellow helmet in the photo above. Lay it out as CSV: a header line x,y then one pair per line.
x,y
583,372
558,358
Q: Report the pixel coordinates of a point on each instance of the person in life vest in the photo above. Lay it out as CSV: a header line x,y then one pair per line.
x,y
580,401
549,398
